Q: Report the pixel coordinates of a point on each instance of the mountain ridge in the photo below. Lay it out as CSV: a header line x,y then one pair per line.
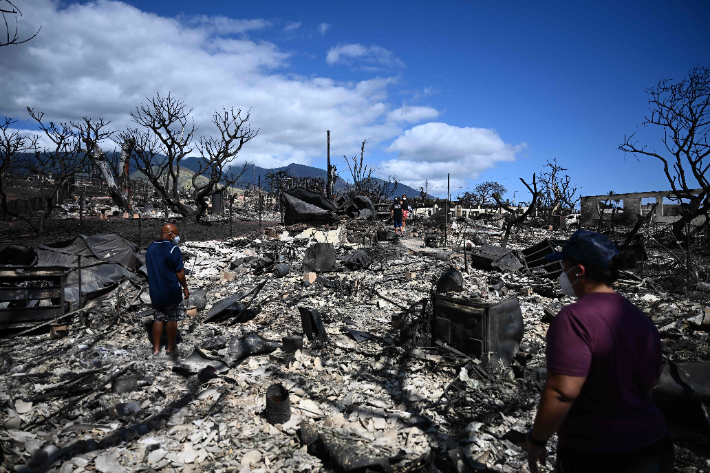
x,y
253,173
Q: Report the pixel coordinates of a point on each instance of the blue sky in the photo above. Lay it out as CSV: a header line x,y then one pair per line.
x,y
484,91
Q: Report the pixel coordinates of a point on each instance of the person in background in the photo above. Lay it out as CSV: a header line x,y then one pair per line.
x,y
167,285
603,361
405,213
396,214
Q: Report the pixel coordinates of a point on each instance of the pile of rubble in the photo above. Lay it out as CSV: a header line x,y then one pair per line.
x,y
312,349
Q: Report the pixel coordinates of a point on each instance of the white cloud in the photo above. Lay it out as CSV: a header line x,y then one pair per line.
x,y
222,25
323,28
432,150
104,58
344,53
294,25
411,114
43,141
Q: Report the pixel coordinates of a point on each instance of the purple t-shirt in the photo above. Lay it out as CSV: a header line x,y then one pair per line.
x,y
616,346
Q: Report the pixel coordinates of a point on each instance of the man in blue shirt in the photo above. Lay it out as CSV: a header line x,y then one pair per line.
x,y
167,285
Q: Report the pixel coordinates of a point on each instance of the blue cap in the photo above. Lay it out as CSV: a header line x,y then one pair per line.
x,y
587,247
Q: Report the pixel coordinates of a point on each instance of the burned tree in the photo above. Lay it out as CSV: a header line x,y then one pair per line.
x,y
482,194
91,134
364,183
682,111
557,193
52,168
165,139
217,155
510,219
10,10
13,147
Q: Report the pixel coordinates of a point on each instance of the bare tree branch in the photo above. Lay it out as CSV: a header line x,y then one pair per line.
x,y
364,183
52,167
14,38
166,132
682,110
510,219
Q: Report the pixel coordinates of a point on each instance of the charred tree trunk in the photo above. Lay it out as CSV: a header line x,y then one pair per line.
x,y
511,220
97,155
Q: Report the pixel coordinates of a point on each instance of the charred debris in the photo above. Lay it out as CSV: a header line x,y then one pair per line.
x,y
323,344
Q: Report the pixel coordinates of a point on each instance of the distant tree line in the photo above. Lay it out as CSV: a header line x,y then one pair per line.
x,y
163,137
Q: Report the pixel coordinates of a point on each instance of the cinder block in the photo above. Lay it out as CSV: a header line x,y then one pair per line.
x,y
309,277
125,214
411,275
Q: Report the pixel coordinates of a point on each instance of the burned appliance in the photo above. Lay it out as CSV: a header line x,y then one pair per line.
x,y
495,258
479,329
29,294
431,240
535,262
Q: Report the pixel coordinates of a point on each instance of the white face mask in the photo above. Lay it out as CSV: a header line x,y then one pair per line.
x,y
176,240
567,286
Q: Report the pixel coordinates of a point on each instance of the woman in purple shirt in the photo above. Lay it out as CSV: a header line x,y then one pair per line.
x,y
603,361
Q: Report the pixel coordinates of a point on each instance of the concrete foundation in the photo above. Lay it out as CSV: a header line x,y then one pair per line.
x,y
632,209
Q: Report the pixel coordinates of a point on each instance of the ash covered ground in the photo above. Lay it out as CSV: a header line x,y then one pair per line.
x,y
369,389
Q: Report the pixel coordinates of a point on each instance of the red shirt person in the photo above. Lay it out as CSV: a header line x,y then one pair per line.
x,y
603,360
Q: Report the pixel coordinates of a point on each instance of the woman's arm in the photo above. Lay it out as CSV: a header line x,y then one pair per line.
x,y
559,393
557,397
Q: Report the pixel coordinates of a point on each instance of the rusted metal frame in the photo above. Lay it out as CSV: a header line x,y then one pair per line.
x,y
31,272
29,293
24,314
56,276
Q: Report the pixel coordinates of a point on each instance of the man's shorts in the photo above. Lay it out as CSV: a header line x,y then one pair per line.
x,y
397,223
169,313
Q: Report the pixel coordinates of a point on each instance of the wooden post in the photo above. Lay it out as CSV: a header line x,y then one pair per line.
x,y
259,191
231,203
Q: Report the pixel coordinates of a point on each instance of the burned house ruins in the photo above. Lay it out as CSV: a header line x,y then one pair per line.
x,y
320,343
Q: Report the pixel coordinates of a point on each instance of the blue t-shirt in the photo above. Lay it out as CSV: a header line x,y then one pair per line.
x,y
163,260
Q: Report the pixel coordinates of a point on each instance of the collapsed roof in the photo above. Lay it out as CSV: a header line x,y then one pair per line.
x,y
301,205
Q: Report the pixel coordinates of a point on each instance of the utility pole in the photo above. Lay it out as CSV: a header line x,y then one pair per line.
x,y
446,211
328,186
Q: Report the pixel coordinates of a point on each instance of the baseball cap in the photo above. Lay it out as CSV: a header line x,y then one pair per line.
x,y
587,247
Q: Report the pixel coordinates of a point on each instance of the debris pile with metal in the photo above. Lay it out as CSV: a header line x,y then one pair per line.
x,y
319,349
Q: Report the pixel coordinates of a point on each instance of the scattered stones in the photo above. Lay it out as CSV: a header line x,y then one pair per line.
x,y
251,457
23,407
